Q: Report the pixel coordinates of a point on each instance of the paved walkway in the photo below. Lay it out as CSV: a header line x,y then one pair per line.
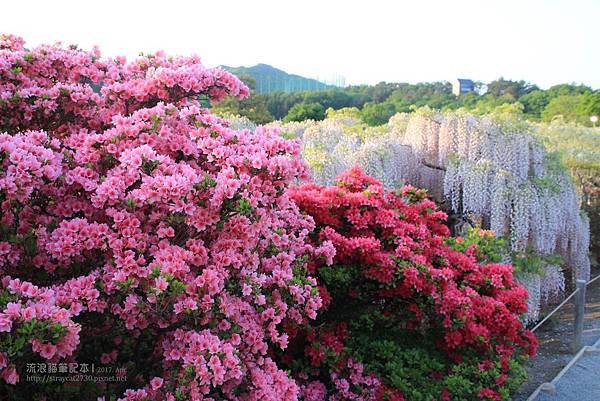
x,y
579,381
554,352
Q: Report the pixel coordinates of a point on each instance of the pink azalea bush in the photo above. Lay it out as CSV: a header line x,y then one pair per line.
x,y
138,230
141,234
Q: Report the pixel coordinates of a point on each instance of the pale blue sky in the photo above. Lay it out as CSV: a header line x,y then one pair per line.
x,y
366,41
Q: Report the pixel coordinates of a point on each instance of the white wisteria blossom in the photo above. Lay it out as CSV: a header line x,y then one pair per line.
x,y
533,284
239,123
492,168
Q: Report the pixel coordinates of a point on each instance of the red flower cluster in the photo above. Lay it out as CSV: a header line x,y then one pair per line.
x,y
392,261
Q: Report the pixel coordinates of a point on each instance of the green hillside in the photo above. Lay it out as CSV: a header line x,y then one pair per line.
x,y
270,79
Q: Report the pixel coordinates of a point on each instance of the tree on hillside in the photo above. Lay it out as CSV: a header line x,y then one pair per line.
x,y
305,111
252,107
334,98
279,103
382,91
589,106
515,89
534,103
488,103
569,107
377,113
567,90
468,100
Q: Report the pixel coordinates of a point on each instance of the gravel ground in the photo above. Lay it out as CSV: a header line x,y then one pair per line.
x,y
554,351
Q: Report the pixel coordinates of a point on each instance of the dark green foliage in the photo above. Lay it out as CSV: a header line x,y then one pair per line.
x,y
414,366
278,99
305,111
534,103
514,89
567,106
377,113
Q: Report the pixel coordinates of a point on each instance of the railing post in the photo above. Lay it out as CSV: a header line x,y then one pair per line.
x,y
579,316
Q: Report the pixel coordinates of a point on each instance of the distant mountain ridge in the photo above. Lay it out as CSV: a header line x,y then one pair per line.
x,y
270,79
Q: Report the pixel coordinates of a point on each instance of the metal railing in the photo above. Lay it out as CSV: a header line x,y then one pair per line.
x,y
579,292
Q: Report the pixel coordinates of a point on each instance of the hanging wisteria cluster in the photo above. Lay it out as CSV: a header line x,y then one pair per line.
x,y
500,172
333,145
492,170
